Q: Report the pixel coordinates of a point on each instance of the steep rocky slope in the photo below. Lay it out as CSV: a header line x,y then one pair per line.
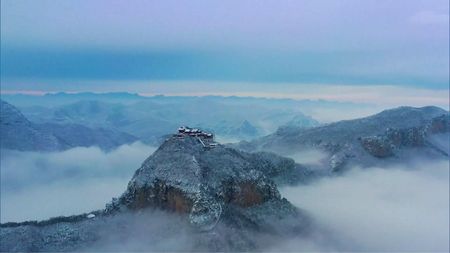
x,y
390,136
224,199
18,133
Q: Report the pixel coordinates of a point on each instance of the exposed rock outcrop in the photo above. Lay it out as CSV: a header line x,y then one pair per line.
x,y
393,135
185,177
222,196
386,144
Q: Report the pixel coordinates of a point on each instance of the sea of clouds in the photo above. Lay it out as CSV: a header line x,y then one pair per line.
x,y
397,208
36,186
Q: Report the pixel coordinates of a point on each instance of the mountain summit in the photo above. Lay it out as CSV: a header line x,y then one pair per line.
x,y
207,182
224,196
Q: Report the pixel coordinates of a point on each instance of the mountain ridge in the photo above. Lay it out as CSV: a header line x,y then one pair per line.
x,y
148,119
18,133
349,140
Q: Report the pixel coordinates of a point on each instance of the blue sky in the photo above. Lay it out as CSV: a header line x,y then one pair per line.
x,y
47,45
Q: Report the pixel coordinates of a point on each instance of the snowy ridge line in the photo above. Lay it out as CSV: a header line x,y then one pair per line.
x,y
54,220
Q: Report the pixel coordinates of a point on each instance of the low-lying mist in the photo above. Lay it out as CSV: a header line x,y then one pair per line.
x,y
151,231
379,209
311,157
397,208
36,186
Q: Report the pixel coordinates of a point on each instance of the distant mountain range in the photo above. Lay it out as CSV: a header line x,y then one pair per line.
x,y
228,198
389,136
394,135
18,133
149,119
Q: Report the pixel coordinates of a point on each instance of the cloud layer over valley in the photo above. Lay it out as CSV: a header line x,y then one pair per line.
x,y
380,209
36,186
400,208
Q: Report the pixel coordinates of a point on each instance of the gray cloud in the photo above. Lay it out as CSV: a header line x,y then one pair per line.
x,y
379,209
309,157
359,42
400,208
36,186
430,18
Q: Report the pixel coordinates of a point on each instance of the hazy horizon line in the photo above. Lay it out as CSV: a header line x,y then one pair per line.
x,y
380,95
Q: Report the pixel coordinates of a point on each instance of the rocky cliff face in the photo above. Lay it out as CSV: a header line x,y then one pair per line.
x,y
223,197
386,144
185,177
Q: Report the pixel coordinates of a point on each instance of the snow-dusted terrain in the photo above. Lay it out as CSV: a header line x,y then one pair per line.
x,y
392,136
224,197
149,118
212,197
18,133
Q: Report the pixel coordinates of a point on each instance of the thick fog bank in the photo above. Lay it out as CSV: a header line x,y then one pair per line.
x,y
309,157
379,209
36,186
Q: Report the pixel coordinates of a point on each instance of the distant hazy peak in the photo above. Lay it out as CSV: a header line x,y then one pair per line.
x,y
8,108
431,111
